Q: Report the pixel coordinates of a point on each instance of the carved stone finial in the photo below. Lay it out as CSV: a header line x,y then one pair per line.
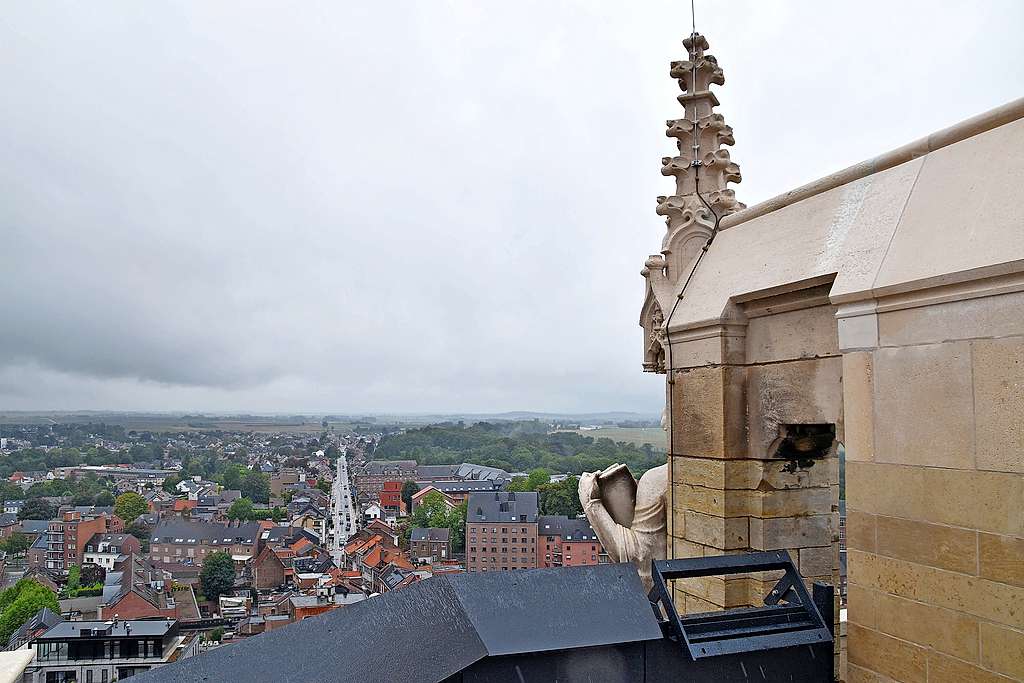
x,y
702,170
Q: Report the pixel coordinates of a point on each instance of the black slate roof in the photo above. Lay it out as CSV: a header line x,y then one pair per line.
x,y
436,628
502,506
568,529
191,532
430,534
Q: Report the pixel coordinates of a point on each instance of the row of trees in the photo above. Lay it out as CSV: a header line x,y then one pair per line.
x,y
554,498
253,484
515,446
243,510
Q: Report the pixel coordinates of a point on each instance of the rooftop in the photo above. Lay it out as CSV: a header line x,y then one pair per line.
x,y
107,629
502,506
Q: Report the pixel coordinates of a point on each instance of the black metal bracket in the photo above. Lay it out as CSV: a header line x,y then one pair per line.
x,y
789,617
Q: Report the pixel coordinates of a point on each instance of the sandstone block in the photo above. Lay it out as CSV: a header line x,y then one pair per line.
x,y
1001,558
945,669
803,333
860,605
951,632
698,412
800,392
888,656
1002,650
859,405
860,531
988,501
816,562
883,489
796,532
913,385
999,402
991,316
931,544
998,602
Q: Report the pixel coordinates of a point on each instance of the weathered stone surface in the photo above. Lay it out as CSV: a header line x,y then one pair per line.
x,y
800,392
999,401
999,315
796,532
897,659
816,561
946,194
1001,558
936,545
945,669
860,531
698,406
946,630
861,605
911,385
859,405
805,333
989,501
990,600
1002,650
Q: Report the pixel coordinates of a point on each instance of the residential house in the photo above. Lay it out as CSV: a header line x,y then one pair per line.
x,y
417,498
460,490
501,531
106,549
188,542
38,624
272,568
105,651
390,499
429,545
66,536
565,542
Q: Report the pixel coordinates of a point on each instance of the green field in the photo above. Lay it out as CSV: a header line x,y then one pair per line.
x,y
639,436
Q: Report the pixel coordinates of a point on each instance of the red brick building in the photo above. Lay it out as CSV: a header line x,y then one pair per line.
x,y
564,542
501,531
390,498
66,537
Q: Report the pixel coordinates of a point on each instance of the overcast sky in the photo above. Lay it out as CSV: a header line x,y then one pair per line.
x,y
407,206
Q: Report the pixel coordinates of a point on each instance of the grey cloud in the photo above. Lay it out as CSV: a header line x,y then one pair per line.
x,y
406,207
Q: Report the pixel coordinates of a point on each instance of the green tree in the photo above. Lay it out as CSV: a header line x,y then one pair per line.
x,y
20,602
457,528
256,487
141,532
408,489
561,498
217,576
170,484
324,485
216,634
104,499
37,508
232,477
92,574
241,509
129,506
74,578
16,544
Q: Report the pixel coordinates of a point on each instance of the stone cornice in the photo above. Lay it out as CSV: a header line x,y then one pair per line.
x,y
1011,111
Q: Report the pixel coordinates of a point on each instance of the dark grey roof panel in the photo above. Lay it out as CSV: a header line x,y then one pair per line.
x,y
554,609
438,627
420,633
